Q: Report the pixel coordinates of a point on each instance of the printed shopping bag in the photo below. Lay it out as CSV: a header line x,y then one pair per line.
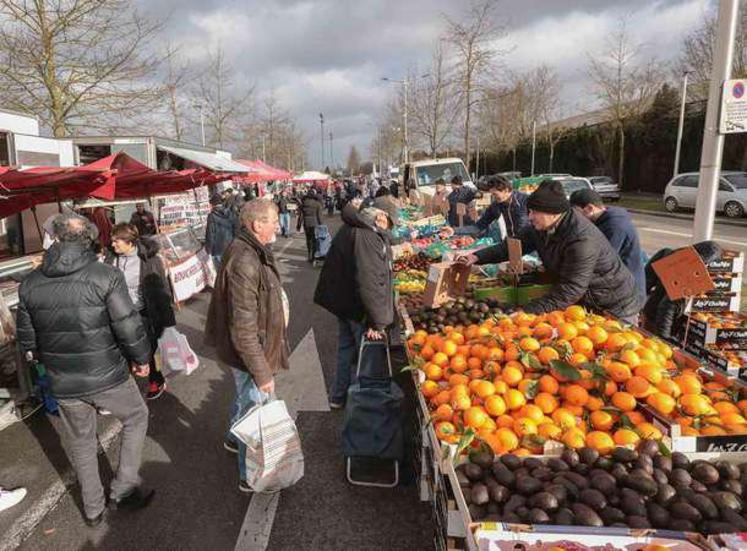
x,y
175,354
274,458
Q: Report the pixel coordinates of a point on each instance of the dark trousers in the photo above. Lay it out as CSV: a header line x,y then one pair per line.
x,y
154,375
310,242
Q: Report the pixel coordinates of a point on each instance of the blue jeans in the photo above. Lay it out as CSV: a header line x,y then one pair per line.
x,y
247,396
349,338
285,222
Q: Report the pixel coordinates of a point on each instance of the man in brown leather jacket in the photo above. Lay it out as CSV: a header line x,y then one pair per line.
x,y
246,322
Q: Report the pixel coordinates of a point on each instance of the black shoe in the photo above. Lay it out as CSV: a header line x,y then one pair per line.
x,y
137,499
155,389
231,446
244,488
95,521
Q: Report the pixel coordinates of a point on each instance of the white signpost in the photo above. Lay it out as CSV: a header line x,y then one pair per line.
x,y
733,107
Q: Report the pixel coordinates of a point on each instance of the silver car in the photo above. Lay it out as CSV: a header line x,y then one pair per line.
x,y
682,192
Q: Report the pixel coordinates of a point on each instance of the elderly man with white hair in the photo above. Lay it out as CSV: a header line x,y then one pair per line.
x,y
246,322
356,285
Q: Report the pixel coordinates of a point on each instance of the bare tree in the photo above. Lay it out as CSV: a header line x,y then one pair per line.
x,y
176,79
434,103
354,161
76,63
697,53
224,107
473,40
624,83
543,86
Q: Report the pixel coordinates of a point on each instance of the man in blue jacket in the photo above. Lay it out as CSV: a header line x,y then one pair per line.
x,y
617,226
510,204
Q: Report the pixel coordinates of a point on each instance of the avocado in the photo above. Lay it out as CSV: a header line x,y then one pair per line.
x,y
528,485
585,515
624,455
665,494
605,484
564,517
503,475
611,515
499,493
543,500
704,505
726,500
680,461
644,486
538,516
557,464
704,473
473,472
657,514
680,477
633,505
634,521
570,457
588,455
663,462
683,510
479,494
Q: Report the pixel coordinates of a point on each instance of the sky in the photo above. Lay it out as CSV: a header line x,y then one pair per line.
x,y
329,56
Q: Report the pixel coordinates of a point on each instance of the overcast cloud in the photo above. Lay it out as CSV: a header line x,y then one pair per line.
x,y
329,55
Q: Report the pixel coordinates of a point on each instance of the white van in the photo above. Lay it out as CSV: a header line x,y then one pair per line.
x,y
426,172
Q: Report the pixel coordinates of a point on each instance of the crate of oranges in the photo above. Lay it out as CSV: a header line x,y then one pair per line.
x,y
522,383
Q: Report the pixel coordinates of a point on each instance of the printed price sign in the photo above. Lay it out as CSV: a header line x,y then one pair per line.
x,y
683,274
515,264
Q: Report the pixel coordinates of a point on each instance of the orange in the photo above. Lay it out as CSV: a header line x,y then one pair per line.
x,y
583,345
549,430
635,417
626,437
618,372
542,331
433,372
663,403
694,404
427,352
624,401
574,438
456,337
443,413
546,402
668,386
567,331
475,417
533,412
504,421
495,354
512,375
472,362
630,358
578,411
564,418
725,407
429,389
529,344
733,419
647,430
495,405
484,388
525,427
577,359
546,354
458,363
600,441
602,420
446,431
514,399
712,430
576,395
458,379
651,373
594,403
548,384
461,402
575,313
508,439
615,342
597,335
443,397
689,384
638,387
440,359
610,387
449,348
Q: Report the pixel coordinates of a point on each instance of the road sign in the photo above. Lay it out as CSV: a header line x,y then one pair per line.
x,y
733,107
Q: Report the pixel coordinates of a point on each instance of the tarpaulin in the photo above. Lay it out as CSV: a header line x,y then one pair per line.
x,y
262,172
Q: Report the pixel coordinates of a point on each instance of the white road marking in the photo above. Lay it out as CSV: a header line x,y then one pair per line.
x,y
689,235
27,523
303,389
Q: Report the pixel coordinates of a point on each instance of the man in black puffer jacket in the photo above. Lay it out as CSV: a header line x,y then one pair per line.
x,y
309,217
356,285
584,267
76,318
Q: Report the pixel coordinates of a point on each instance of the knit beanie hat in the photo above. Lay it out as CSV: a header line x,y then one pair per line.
x,y
584,197
549,197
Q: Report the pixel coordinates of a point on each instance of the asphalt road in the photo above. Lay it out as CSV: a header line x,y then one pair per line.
x,y
197,505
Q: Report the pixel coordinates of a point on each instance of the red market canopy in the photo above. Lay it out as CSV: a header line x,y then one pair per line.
x,y
262,172
117,176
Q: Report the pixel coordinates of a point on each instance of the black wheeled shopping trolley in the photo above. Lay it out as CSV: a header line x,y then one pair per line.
x,y
373,420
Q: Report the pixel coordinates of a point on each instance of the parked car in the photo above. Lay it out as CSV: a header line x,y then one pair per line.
x,y
573,183
606,187
553,176
682,192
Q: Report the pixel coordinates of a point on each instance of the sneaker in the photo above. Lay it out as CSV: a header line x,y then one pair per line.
x,y
231,446
244,488
336,405
155,389
9,498
95,521
137,499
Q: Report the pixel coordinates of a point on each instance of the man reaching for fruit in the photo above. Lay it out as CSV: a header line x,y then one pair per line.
x,y
583,265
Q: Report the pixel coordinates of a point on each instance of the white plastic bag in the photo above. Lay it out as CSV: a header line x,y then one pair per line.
x,y
175,354
274,458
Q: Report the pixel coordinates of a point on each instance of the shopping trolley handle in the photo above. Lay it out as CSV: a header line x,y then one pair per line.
x,y
384,341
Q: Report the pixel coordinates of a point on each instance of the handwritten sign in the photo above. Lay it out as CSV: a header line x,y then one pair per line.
x,y
187,278
683,274
515,264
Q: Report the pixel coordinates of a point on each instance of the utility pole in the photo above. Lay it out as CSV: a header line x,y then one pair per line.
x,y
681,126
713,141
407,146
202,123
331,153
321,122
534,143
264,158
477,159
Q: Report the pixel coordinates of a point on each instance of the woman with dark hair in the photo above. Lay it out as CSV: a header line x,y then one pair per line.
x,y
148,288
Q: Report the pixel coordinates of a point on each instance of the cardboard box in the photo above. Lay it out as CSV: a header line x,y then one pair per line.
x,y
708,334
446,281
731,262
726,283
717,303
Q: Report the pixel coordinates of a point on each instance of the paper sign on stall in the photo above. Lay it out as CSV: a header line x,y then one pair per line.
x,y
461,210
683,274
515,263
446,280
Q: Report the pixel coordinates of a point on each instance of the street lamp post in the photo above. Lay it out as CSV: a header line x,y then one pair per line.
x,y
534,143
321,123
681,125
331,153
405,85
202,123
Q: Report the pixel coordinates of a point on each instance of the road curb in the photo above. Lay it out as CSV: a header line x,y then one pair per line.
x,y
735,223
27,523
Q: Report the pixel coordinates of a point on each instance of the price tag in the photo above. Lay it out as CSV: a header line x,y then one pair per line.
x,y
515,264
683,274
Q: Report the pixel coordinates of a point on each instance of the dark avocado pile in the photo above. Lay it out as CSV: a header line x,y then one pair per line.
x,y
462,311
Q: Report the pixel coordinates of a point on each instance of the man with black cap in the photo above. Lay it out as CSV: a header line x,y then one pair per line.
x,y
584,267
617,226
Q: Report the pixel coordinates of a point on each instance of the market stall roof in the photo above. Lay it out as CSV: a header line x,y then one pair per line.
x,y
262,172
279,173
207,160
311,176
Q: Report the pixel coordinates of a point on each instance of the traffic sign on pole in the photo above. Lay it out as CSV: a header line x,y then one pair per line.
x,y
733,107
